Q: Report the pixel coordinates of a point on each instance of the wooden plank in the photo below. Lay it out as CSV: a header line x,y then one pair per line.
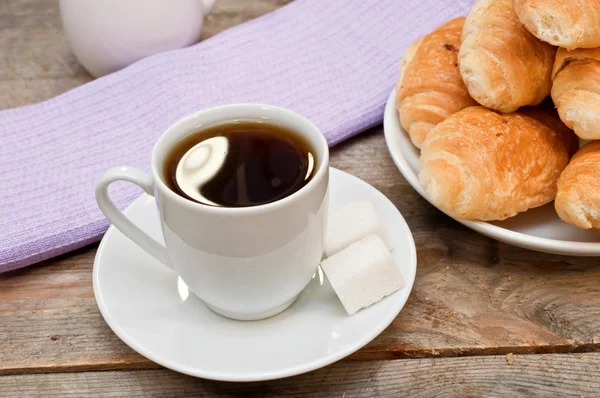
x,y
36,63
531,375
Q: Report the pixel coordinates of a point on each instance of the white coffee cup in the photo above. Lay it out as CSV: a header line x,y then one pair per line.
x,y
245,263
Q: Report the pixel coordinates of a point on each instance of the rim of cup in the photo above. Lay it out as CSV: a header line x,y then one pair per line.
x,y
265,112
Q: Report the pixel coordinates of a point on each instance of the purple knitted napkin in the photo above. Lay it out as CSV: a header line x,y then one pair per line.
x,y
333,61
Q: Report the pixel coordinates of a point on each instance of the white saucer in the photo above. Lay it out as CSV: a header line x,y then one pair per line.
x,y
538,229
153,312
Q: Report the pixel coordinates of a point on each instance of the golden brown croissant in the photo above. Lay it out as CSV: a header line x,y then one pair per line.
x,y
429,86
578,197
483,165
576,90
564,23
502,64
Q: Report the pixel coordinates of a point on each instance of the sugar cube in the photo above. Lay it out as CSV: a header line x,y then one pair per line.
x,y
352,223
363,273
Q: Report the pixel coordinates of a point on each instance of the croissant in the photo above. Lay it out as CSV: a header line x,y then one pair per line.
x,y
503,65
563,23
429,87
576,90
578,197
483,165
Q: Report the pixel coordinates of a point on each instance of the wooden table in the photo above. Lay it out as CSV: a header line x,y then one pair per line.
x,y
484,318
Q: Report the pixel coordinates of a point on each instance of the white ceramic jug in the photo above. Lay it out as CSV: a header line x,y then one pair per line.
x,y
107,35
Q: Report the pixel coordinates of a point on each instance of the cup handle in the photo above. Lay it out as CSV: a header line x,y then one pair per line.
x,y
118,219
207,5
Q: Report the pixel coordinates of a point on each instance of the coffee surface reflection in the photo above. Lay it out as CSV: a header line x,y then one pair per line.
x,y
239,164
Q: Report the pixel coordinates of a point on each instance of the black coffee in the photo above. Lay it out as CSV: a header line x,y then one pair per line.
x,y
239,164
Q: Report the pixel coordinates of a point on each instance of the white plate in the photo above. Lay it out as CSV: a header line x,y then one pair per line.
x,y
538,229
153,312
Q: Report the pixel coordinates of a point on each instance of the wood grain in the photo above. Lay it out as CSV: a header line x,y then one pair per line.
x,y
532,375
472,295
